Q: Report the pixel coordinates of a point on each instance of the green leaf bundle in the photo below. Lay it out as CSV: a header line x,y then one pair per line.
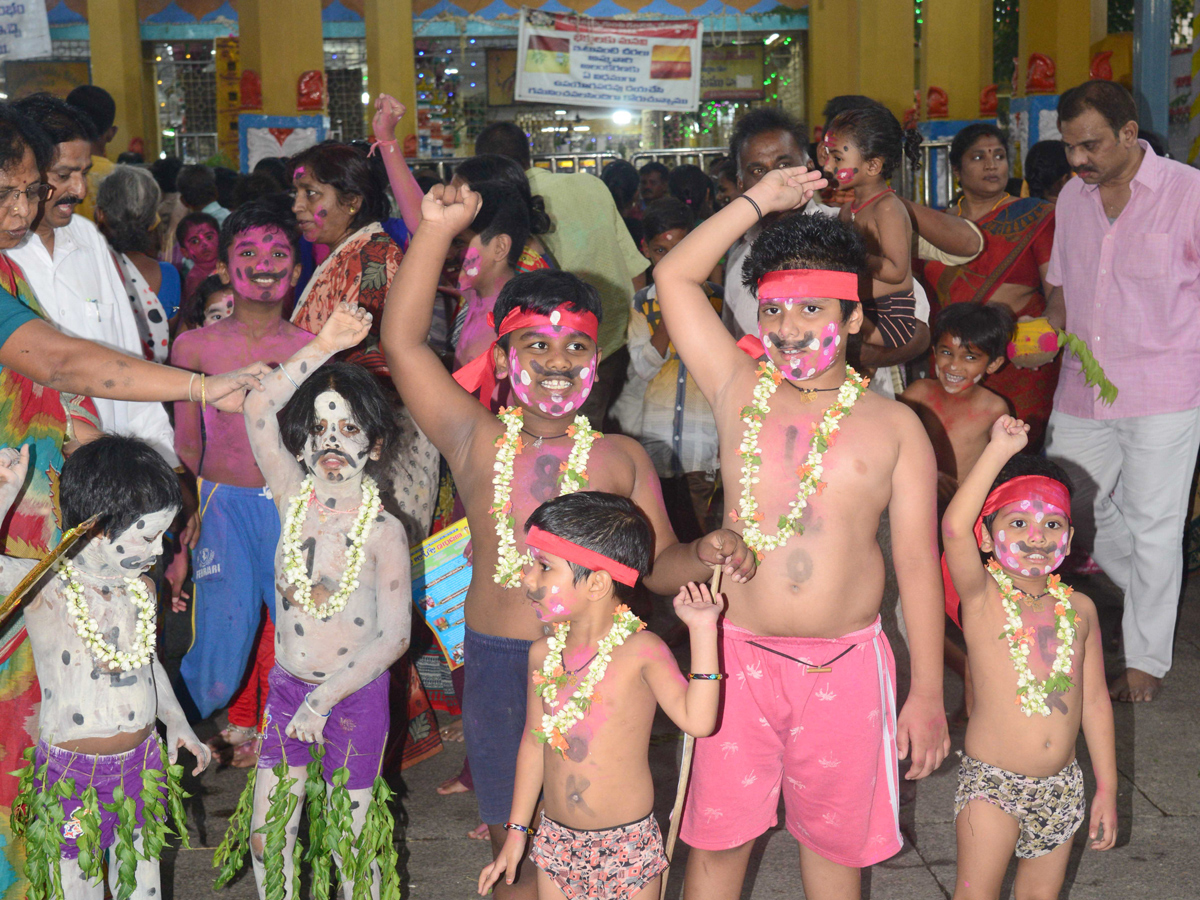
x,y
1093,373
318,852
280,805
91,854
43,835
123,851
231,854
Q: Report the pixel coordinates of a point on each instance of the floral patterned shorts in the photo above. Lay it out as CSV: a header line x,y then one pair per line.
x,y
1049,810
614,864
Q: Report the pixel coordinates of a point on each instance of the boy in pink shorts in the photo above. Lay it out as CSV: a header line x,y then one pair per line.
x,y
809,700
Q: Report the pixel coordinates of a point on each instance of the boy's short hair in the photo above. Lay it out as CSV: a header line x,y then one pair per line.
x,y
258,214
764,121
1028,464
97,104
656,167
878,135
543,291
666,215
190,221
1045,163
367,402
503,211
507,139
1108,98
197,186
607,524
120,477
799,241
197,304
727,170
691,185
986,326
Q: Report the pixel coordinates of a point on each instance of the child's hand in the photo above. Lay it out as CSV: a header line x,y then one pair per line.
x,y
726,548
784,189
1009,434
307,725
1102,829
507,860
228,392
14,464
695,606
187,739
346,327
388,111
449,209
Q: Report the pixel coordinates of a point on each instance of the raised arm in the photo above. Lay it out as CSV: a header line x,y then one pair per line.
x,y
893,231
691,704
442,409
389,111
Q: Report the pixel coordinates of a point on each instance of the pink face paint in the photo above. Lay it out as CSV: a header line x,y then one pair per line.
x,y
558,609
470,269
559,402
261,260
201,244
818,356
1007,547
299,173
845,175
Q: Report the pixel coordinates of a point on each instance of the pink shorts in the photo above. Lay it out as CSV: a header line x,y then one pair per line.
x,y
826,738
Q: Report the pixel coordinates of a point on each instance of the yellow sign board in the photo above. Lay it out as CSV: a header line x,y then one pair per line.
x,y
732,73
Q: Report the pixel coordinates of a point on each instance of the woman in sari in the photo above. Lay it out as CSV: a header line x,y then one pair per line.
x,y
1018,234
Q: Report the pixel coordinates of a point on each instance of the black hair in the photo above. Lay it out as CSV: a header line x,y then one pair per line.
x,y
622,180
764,121
878,135
806,242
835,106
664,215
348,171
543,291
502,211
1156,142
505,139
1108,98
165,171
97,104
197,186
691,185
727,170
258,214
603,523
227,180
61,121
195,306
122,478
493,167
19,135
654,166
1028,464
274,168
130,158
1045,164
191,220
249,188
986,326
966,138
367,402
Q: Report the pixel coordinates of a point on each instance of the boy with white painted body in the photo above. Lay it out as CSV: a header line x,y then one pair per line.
x,y
342,583
92,629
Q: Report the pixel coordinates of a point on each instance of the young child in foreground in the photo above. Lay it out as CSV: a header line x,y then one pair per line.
x,y
342,618
1038,670
818,459
865,147
594,686
92,626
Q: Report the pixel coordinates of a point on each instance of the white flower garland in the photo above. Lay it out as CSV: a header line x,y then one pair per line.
x,y
555,725
1032,693
753,417
572,478
89,630
295,569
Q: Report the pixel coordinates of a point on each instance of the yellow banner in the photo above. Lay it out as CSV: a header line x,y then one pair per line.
x,y
732,73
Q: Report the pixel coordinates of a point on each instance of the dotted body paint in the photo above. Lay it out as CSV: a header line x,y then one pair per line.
x,y
260,264
522,380
1007,547
820,356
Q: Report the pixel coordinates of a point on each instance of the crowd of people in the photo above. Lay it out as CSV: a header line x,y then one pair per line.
x,y
253,394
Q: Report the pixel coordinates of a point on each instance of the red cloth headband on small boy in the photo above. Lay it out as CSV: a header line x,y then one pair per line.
x,y
797,283
581,556
480,373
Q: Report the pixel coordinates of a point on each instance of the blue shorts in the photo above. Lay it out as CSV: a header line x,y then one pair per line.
x,y
233,576
497,685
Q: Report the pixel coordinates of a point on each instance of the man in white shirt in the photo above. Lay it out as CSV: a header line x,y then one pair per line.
x,y
71,269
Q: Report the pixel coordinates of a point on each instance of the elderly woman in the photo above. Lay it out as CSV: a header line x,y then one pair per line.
x,y
1018,234
127,214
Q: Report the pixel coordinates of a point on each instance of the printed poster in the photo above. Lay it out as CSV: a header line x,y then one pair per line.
x,y
581,61
441,576
732,72
24,30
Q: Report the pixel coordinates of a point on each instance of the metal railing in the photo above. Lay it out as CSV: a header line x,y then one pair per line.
x,y
678,156
585,162
933,183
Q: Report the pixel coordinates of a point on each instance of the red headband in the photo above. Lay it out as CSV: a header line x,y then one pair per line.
x,y
480,373
1024,488
795,283
582,556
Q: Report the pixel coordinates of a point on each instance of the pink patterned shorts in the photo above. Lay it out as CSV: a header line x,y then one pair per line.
x,y
815,719
615,864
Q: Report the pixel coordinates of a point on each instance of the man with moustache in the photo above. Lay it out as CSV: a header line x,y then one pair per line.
x,y
1125,271
71,268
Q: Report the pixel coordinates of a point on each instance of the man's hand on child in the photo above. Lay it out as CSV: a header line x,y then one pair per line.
x,y
228,392
726,548
1010,434
696,606
187,739
346,327
449,209
1102,828
506,863
921,731
14,464
307,725
388,111
784,189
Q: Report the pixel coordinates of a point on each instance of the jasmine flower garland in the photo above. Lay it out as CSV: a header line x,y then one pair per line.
x,y
89,630
295,569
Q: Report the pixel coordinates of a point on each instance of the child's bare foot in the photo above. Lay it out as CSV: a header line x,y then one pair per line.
x,y
245,755
479,833
452,786
230,736
1135,686
452,732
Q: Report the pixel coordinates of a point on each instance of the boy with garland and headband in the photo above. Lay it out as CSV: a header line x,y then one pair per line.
x,y
506,467
1038,668
820,460
100,780
584,750
322,435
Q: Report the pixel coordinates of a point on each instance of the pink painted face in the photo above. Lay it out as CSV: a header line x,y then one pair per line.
x,y
959,366
552,370
1031,537
469,271
802,336
200,244
261,263
844,161
549,584
220,306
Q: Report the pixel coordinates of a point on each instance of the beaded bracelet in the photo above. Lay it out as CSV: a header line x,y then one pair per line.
x,y
513,826
696,677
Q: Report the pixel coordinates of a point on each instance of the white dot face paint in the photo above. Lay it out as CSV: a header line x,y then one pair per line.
x,y
337,448
807,357
471,265
554,391
1035,538
131,552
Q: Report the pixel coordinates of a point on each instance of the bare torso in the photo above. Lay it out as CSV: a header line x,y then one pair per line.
x,y
958,425
885,213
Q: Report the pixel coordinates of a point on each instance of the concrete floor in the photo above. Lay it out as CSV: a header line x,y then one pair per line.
x,y
1157,854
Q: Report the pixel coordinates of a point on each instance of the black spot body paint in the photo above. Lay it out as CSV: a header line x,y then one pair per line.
x,y
789,441
303,368
260,424
359,622
395,585
575,787
77,718
66,657
577,748
141,523
799,566
309,548
120,549
299,629
318,674
342,651
545,478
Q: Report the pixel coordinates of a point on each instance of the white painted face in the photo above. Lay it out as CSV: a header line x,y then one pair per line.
x,y
337,449
132,551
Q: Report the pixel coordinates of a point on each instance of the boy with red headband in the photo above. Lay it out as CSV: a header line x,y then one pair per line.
x,y
1019,784
505,467
810,706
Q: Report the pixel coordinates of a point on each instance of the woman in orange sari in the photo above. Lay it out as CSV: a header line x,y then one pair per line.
x,y
1018,233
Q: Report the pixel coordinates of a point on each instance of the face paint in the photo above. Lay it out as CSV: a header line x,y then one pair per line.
x,y
470,269
1046,546
221,308
845,175
563,399
299,173
201,245
261,260
337,448
132,551
817,355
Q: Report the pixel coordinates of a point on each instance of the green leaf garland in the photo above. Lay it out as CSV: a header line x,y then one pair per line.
x,y
1093,373
231,854
280,805
317,856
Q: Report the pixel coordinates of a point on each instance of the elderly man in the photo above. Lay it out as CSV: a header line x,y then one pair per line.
x,y
1126,270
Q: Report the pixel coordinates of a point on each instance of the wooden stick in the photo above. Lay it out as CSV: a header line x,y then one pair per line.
x,y
685,771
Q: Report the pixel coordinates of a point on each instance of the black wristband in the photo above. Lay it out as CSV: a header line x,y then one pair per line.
x,y
750,200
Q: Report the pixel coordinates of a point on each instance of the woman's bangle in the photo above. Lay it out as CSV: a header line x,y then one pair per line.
x,y
191,381
314,709
695,676
513,826
750,200
287,375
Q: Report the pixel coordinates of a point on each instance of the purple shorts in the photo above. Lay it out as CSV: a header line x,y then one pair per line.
x,y
355,733
103,773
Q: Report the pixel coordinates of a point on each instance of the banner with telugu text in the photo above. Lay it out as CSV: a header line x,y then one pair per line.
x,y
581,61
24,30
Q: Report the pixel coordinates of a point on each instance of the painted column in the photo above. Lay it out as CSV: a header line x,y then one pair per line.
x,y
832,53
391,65
956,52
281,40
1062,31
117,66
860,47
1151,56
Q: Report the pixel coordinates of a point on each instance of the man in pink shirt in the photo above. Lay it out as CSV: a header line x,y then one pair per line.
x,y
1126,271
